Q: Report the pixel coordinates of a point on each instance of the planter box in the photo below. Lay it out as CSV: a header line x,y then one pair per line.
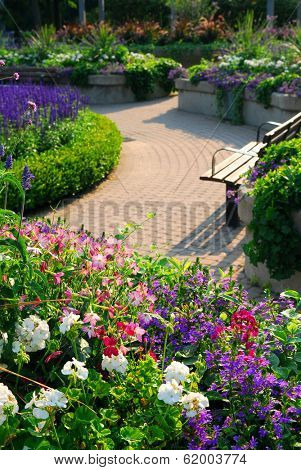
x,y
101,89
201,98
260,273
49,75
112,89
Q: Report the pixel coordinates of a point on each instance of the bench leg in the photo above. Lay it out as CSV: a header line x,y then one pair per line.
x,y
232,219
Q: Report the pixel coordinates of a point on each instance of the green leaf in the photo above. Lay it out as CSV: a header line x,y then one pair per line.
x,y
274,360
84,414
131,434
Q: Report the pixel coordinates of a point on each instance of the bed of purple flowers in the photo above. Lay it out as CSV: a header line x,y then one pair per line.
x,y
39,105
102,348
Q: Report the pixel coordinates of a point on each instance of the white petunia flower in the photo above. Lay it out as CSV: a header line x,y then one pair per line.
x,y
118,363
8,402
32,333
75,368
67,322
40,413
193,403
177,371
170,392
44,401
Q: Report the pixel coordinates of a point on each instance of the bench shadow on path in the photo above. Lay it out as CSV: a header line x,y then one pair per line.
x,y
212,238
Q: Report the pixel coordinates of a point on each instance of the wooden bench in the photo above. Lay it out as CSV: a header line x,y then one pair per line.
x,y
230,170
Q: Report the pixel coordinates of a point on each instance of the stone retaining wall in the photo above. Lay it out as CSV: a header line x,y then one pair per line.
x,y
201,98
101,89
112,89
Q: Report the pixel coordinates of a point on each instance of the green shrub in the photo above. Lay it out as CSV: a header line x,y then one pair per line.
x,y
74,167
143,75
276,241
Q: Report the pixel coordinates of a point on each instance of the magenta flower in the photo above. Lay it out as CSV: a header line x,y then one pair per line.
x,y
16,76
2,63
57,278
32,106
52,356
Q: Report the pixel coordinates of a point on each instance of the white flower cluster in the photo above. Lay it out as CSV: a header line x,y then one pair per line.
x,y
44,401
32,333
75,368
67,321
8,402
230,61
254,63
3,341
171,391
177,371
118,363
193,402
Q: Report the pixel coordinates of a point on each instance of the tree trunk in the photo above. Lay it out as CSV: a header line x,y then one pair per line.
x,y
172,17
270,9
101,10
81,12
36,14
299,14
56,13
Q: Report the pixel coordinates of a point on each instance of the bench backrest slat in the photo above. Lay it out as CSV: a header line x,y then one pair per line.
x,y
285,131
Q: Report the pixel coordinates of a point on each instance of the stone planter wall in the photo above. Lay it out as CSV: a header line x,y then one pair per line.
x,y
259,274
101,89
112,89
201,99
49,75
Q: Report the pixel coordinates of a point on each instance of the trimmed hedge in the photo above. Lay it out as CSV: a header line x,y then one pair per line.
x,y
75,167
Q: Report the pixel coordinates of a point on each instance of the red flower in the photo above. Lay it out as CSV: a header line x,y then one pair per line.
x,y
99,332
43,266
153,355
110,349
245,323
217,332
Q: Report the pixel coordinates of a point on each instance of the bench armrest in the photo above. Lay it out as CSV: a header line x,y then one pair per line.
x,y
267,123
229,149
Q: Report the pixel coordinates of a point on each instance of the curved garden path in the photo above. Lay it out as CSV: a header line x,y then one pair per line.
x,y
164,153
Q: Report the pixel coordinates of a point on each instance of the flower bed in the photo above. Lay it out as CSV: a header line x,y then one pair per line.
x,y
116,351
99,54
67,148
250,86
271,208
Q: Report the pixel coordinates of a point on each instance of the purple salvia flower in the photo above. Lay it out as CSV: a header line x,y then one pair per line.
x,y
27,176
2,151
9,162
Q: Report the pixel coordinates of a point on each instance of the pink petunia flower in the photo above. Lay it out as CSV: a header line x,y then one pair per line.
x,y
57,278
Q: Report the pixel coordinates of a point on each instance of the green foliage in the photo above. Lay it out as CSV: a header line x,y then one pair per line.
x,y
74,167
143,75
32,140
276,240
265,88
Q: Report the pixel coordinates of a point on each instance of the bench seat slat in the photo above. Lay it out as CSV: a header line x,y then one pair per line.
x,y
235,177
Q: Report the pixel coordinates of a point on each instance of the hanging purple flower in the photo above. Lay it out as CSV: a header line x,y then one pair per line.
x,y
2,151
9,162
27,176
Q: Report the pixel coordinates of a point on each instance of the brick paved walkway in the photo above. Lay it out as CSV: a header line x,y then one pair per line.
x,y
164,153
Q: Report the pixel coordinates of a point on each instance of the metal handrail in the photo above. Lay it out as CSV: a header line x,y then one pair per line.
x,y
270,123
229,149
